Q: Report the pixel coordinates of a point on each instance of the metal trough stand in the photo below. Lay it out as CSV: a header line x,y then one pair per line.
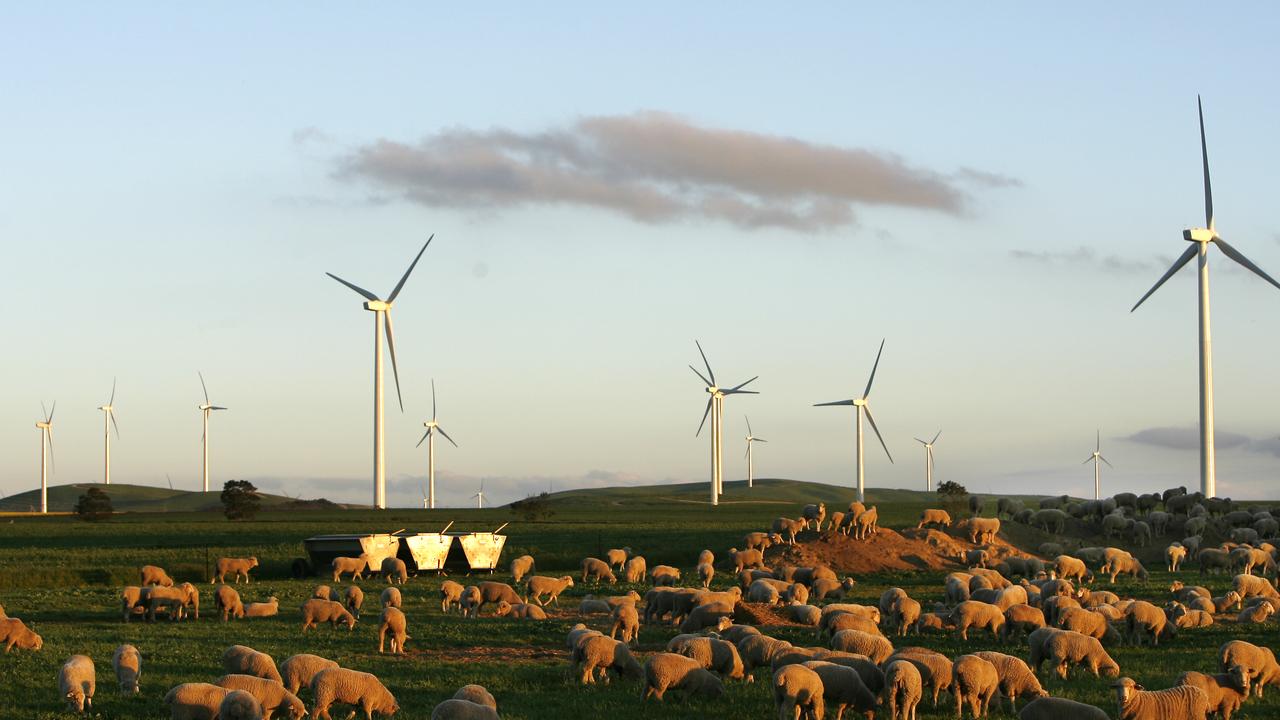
x,y
425,551
376,547
482,550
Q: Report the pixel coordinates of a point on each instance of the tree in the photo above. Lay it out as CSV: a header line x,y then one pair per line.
x,y
239,500
955,498
534,507
94,505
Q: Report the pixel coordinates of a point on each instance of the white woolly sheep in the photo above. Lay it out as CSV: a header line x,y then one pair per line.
x,y
1256,613
134,600
477,694
1145,620
746,559
539,585
664,575
1226,692
272,696
1213,560
270,608
635,569
706,573
76,682
975,681
172,600
933,516
225,599
1260,662
670,671
596,570
763,592
127,662
1022,619
353,598
1016,679
626,620
13,633
194,701
459,709
719,656
495,592
1250,586
903,688
617,557
393,621
1184,702
707,615
935,668
759,650
154,575
354,565
599,652
842,688
1052,708
1088,622
244,660
520,567
520,611
1064,647
980,615
394,571
450,596
816,514
798,690
239,705
297,671
315,611
235,566
349,687
324,592
591,606
1174,555
760,540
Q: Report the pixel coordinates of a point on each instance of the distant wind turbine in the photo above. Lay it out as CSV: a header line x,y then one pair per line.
x,y
863,409
46,438
928,461
715,408
205,409
751,440
381,310
429,436
1200,239
1097,476
109,414
479,496
166,477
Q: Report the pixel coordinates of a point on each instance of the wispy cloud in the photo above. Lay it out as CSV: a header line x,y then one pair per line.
x,y
1087,257
655,167
1186,438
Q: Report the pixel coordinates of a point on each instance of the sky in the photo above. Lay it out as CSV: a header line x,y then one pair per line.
x,y
988,189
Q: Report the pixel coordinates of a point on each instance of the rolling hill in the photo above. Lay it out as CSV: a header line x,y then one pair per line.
x,y
142,498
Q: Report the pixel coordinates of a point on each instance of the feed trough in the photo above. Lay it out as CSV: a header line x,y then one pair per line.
x,y
477,550
376,547
422,551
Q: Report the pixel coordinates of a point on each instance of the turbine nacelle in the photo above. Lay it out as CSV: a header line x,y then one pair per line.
x,y
859,402
377,306
44,425
1200,235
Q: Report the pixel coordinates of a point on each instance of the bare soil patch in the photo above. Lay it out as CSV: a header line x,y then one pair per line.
x,y
887,550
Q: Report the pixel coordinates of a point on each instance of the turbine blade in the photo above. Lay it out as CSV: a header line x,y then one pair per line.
x,y
867,392
216,407
710,373
391,346
48,434
921,441
52,410
44,411
739,386
739,392
835,402
392,298
748,452
1183,259
1235,254
1086,460
748,425
112,401
424,438
364,293
433,399
756,439
1098,446
935,437
446,436
1108,462
204,387
705,413
112,415
872,420
701,377
1204,156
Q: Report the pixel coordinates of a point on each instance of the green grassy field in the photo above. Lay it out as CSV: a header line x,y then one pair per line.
x,y
63,577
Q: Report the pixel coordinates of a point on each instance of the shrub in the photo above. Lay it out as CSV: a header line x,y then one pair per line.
x,y
239,500
94,505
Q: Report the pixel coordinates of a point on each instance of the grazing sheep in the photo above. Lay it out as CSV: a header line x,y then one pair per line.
x,y
1174,555
353,598
1052,708
354,565
972,613
172,600
76,682
1122,563
226,600
1016,679
670,671
617,557
837,622
1159,522
635,570
788,528
760,540
539,585
1070,568
349,687
976,558
316,611
1260,662
495,592
1213,559
903,688
297,671
244,660
1054,605
746,559
1147,620
235,566
1088,622
1050,549
477,694
134,601
195,701
842,688
706,556
324,592
1051,520
1140,533
1250,586
1064,647
798,690
760,650
934,516
981,530
599,652
1226,692
707,615
393,621
596,570
127,662
975,682
520,567
719,656
273,697
13,633
734,633
627,622
520,611
1184,702
764,592
450,596
154,575
270,608
459,709
592,606
705,574
394,571
1022,619
935,668
239,705
903,615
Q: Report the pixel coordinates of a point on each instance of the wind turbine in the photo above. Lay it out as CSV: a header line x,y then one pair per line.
x,y
751,439
1200,239
480,497
928,461
205,409
863,409
46,438
109,414
433,427
381,310
1095,457
716,403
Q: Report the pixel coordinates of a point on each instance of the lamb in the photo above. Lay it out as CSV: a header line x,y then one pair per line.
x,y
349,687
297,671
796,690
239,705
235,566
824,588
842,688
354,565
617,557
719,656
1250,586
154,575
1256,613
520,567
763,591
393,622
127,662
1122,563
977,557
1016,679
1088,622
195,701
706,572
450,596
1052,708
904,615
972,613
935,668
1174,555
316,611
759,650
635,569
816,514
981,530
324,592
495,592
270,608
976,681
746,559
1184,702
13,633
226,600
76,682
598,651
1260,662
244,660
520,611
707,615
477,694
134,600
1226,692
788,528
760,540
706,556
669,671
1070,568
627,622
1022,619
1184,618
597,570
539,585
459,709
173,600
1064,647
353,598
838,622
1145,619
394,571
271,696
903,688
866,524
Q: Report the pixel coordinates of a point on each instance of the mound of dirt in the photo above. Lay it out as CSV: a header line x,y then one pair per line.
x,y
887,550
758,614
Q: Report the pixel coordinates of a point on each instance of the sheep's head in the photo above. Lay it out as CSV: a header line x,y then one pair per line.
x,y
1125,688
253,562
129,687
76,700
1240,677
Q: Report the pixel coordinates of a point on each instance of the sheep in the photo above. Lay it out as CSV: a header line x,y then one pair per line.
x,y
1184,618
734,633
1226,692
836,622
316,611
244,660
975,506
226,600
353,598
1145,619
270,608
13,633
976,557
1022,619
1140,533
606,654
1050,549
76,682
272,696
1260,662
935,669
297,671
980,530
842,688
154,575
394,571
1070,568
450,596
788,529
1159,522
796,690
762,591
816,514
520,611
972,613
133,601
1122,563
1064,647
934,516
1052,708
1051,520
760,540
627,622
1244,535
539,585
670,671
1113,525
706,615
459,709
617,557
1213,559
239,705
354,565
495,592
195,701
866,524
746,559
596,570
393,622
1256,613
759,650
719,656
1008,506
1054,605
1249,586
903,688
1016,679
975,681
635,569
1174,555
324,592
127,662
904,615
477,694
871,614
1183,702
1088,622
172,600
824,588
349,687
520,567
235,566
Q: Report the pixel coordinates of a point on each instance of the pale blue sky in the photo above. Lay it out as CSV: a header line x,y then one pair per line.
x,y
172,198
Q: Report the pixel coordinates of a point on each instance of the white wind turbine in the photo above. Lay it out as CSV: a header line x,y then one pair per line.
x,y
863,409
715,408
751,440
109,411
928,460
205,409
46,439
381,310
433,427
1097,475
1200,239
479,497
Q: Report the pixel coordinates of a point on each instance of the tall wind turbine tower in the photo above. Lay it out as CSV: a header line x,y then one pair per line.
x,y
715,408
751,440
433,427
46,439
381,310
1097,475
1200,239
479,497
205,409
863,409
108,421
928,461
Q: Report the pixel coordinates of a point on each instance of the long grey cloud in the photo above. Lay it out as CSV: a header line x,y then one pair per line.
x,y
1186,438
655,167
1088,257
